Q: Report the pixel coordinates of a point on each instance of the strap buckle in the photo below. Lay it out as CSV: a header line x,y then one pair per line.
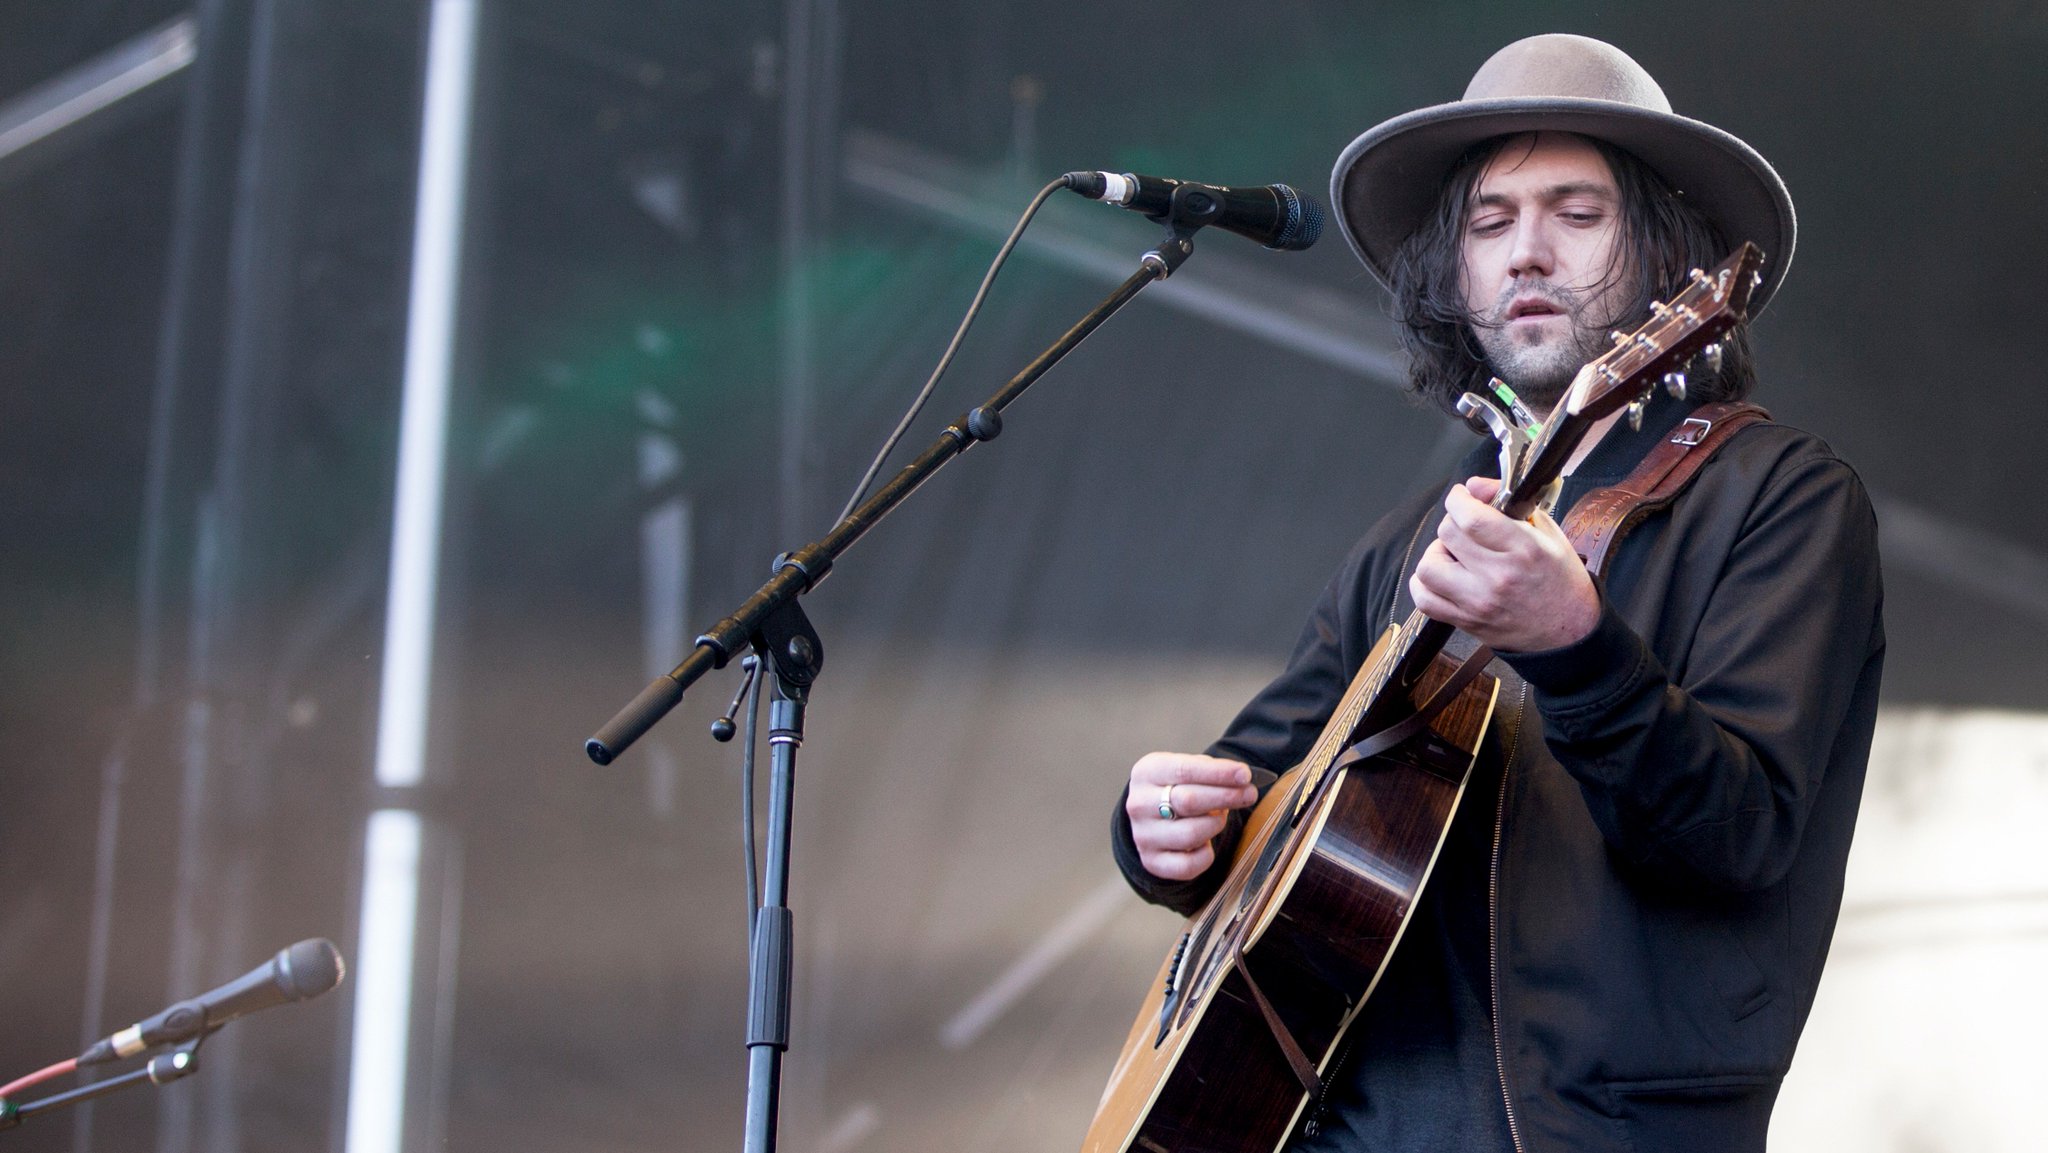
x,y
1693,431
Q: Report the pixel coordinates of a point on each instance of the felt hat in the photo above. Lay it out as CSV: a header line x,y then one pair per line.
x,y
1387,182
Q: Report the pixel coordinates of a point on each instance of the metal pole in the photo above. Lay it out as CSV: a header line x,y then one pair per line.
x,y
773,943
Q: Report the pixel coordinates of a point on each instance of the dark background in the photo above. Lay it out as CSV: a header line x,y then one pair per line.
x,y
708,232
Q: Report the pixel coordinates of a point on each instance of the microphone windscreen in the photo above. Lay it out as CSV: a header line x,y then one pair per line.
x,y
1304,224
309,968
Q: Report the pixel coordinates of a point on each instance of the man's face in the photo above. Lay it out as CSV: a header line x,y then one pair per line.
x,y
1540,234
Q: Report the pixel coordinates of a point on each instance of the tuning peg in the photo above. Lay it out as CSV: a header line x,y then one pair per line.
x,y
1618,337
1674,383
1710,358
1635,416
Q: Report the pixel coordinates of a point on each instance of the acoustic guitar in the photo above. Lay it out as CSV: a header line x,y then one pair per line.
x,y
1239,1026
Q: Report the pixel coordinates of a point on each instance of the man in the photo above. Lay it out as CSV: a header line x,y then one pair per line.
x,y
1623,932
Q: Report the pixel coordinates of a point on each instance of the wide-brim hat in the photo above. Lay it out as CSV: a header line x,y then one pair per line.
x,y
1388,181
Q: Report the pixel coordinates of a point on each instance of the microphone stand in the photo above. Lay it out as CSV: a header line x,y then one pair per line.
x,y
771,622
161,1069
795,654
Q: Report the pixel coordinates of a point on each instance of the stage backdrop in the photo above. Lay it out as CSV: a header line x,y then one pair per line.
x,y
389,390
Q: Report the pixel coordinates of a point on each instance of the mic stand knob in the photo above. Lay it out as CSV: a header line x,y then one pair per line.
x,y
182,1061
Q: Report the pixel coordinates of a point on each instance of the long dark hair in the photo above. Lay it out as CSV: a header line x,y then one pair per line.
x,y
1663,238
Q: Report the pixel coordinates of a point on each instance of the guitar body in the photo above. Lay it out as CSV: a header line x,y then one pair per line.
x,y
1311,920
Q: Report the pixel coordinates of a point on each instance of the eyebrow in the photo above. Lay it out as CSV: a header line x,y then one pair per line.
x,y
1553,193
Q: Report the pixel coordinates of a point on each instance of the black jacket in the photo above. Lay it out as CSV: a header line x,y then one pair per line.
x,y
1668,857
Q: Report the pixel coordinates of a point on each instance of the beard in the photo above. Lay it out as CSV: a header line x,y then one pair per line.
x,y
1539,364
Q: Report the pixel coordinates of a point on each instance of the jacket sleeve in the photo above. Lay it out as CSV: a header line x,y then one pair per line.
x,y
1709,782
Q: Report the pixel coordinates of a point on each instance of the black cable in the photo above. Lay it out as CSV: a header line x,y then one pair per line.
x,y
860,490
755,668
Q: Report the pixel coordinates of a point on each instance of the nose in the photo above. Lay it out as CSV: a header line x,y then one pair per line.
x,y
1532,253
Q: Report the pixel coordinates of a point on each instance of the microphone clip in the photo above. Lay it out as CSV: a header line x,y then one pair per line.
x,y
1191,209
1192,206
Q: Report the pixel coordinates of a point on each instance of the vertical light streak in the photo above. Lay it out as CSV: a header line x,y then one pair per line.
x,y
383,982
423,428
391,858
665,581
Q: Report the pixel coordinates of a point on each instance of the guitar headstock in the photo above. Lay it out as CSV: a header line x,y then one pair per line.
x,y
1678,330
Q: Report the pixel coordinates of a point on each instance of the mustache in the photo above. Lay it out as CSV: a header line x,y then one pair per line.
x,y
1568,301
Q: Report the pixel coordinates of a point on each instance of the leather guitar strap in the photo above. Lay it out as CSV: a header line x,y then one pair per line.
x,y
1400,731
1602,517
1372,746
1304,1069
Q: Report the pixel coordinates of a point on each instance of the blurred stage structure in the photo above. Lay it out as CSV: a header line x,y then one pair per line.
x,y
391,388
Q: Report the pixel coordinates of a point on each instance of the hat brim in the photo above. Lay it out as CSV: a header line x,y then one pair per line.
x,y
1387,182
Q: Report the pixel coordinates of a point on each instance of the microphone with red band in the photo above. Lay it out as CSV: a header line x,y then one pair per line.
x,y
1276,216
298,973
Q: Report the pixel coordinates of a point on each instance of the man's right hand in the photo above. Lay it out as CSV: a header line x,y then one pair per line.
x,y
1200,791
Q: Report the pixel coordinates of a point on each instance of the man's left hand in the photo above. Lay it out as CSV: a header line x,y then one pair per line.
x,y
1515,585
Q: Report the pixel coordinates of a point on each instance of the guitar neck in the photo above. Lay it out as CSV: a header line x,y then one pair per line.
x,y
1562,435
1422,638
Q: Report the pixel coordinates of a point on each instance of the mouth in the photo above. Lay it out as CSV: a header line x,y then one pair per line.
x,y
1532,308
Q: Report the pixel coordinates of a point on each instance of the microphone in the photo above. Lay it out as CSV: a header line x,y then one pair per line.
x,y
1276,216
301,972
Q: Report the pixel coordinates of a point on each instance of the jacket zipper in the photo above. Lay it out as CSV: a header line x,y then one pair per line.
x,y
1500,814
1321,1105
